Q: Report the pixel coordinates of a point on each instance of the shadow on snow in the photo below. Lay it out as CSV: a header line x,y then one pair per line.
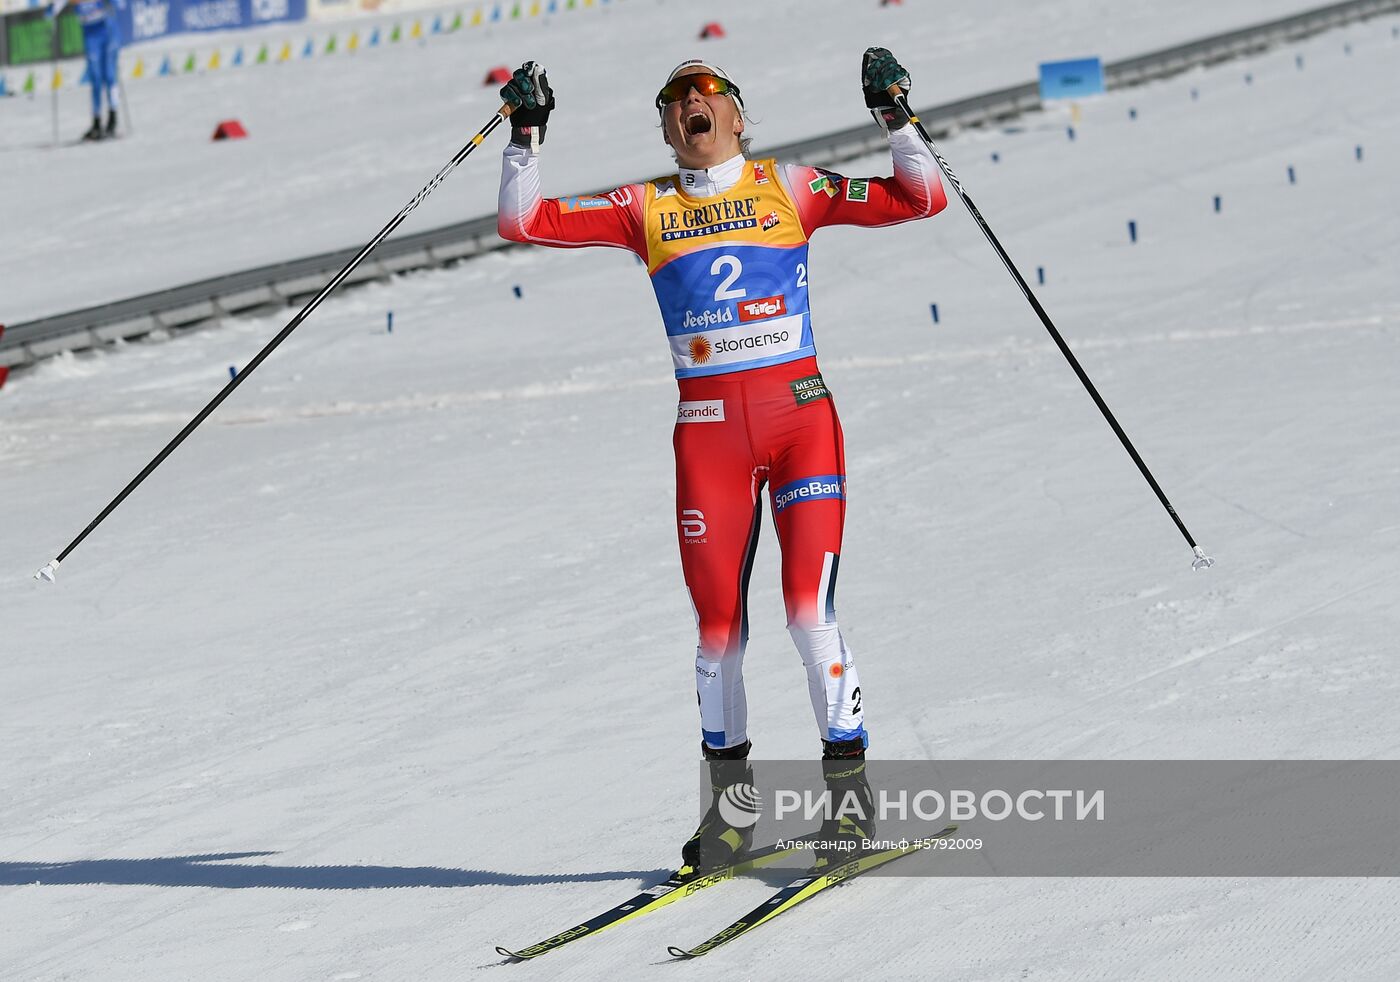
x,y
215,870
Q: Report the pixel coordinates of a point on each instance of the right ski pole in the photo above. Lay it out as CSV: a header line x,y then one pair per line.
x,y
51,568
1201,560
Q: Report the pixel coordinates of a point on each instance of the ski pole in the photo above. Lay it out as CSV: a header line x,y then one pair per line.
x,y
1201,560
126,106
53,74
47,573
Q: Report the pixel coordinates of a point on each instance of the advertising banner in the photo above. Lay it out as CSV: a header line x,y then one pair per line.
x,y
144,20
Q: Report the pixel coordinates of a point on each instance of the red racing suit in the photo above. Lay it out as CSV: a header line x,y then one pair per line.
x,y
726,250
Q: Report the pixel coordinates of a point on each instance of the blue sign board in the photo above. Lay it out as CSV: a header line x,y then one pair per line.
x,y
143,20
1071,79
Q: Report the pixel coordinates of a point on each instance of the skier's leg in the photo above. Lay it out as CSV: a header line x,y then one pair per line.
x,y
809,507
718,513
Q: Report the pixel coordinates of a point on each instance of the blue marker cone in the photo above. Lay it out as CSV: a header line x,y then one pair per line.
x,y
1358,151
516,291
1132,231
1040,275
165,67
933,309
1292,177
1132,112
996,157
232,372
1217,204
389,327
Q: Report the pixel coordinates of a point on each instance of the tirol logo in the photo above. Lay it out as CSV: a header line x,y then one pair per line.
x,y
817,488
809,389
706,411
753,310
739,805
707,318
770,220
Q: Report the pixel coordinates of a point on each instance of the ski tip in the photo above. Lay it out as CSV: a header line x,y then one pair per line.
x,y
679,952
507,953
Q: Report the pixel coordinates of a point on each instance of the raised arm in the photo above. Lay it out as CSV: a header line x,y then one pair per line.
x,y
524,215
915,191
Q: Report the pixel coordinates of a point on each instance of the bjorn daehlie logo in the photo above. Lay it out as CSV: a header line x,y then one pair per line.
x,y
693,526
752,310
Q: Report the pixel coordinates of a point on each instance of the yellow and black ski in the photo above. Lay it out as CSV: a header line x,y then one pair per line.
x,y
678,886
804,888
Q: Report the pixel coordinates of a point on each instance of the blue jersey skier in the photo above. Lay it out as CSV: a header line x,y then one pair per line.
x,y
101,43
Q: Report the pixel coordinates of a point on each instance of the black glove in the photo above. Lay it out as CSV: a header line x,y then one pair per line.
x,y
531,99
878,71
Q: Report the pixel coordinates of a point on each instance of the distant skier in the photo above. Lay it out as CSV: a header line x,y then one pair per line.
x,y
725,243
101,44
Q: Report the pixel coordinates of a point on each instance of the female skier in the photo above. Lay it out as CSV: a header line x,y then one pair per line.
x,y
724,240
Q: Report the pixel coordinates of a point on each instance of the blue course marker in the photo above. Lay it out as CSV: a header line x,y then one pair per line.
x,y
1217,204
1132,112
996,157
516,291
1358,151
1292,177
933,309
1069,130
1040,275
232,372
1132,231
389,327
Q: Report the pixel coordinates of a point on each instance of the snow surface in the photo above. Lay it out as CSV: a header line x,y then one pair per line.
x,y
390,663
339,143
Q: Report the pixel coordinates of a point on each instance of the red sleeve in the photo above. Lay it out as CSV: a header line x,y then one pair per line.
x,y
612,219
826,198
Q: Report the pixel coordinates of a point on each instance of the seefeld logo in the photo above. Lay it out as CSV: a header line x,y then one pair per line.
x,y
708,318
739,805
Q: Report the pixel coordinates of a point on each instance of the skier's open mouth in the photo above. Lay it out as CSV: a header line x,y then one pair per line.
x,y
696,123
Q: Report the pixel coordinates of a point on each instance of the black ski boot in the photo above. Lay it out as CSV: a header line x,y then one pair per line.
x,y
852,820
95,130
717,843
111,130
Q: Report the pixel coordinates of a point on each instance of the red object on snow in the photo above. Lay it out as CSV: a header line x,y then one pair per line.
x,y
890,3
712,30
230,129
499,75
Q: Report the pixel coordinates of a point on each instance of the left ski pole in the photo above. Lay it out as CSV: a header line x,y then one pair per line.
x,y
1201,560
51,568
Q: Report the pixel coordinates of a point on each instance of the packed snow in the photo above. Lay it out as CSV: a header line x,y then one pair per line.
x,y
390,662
